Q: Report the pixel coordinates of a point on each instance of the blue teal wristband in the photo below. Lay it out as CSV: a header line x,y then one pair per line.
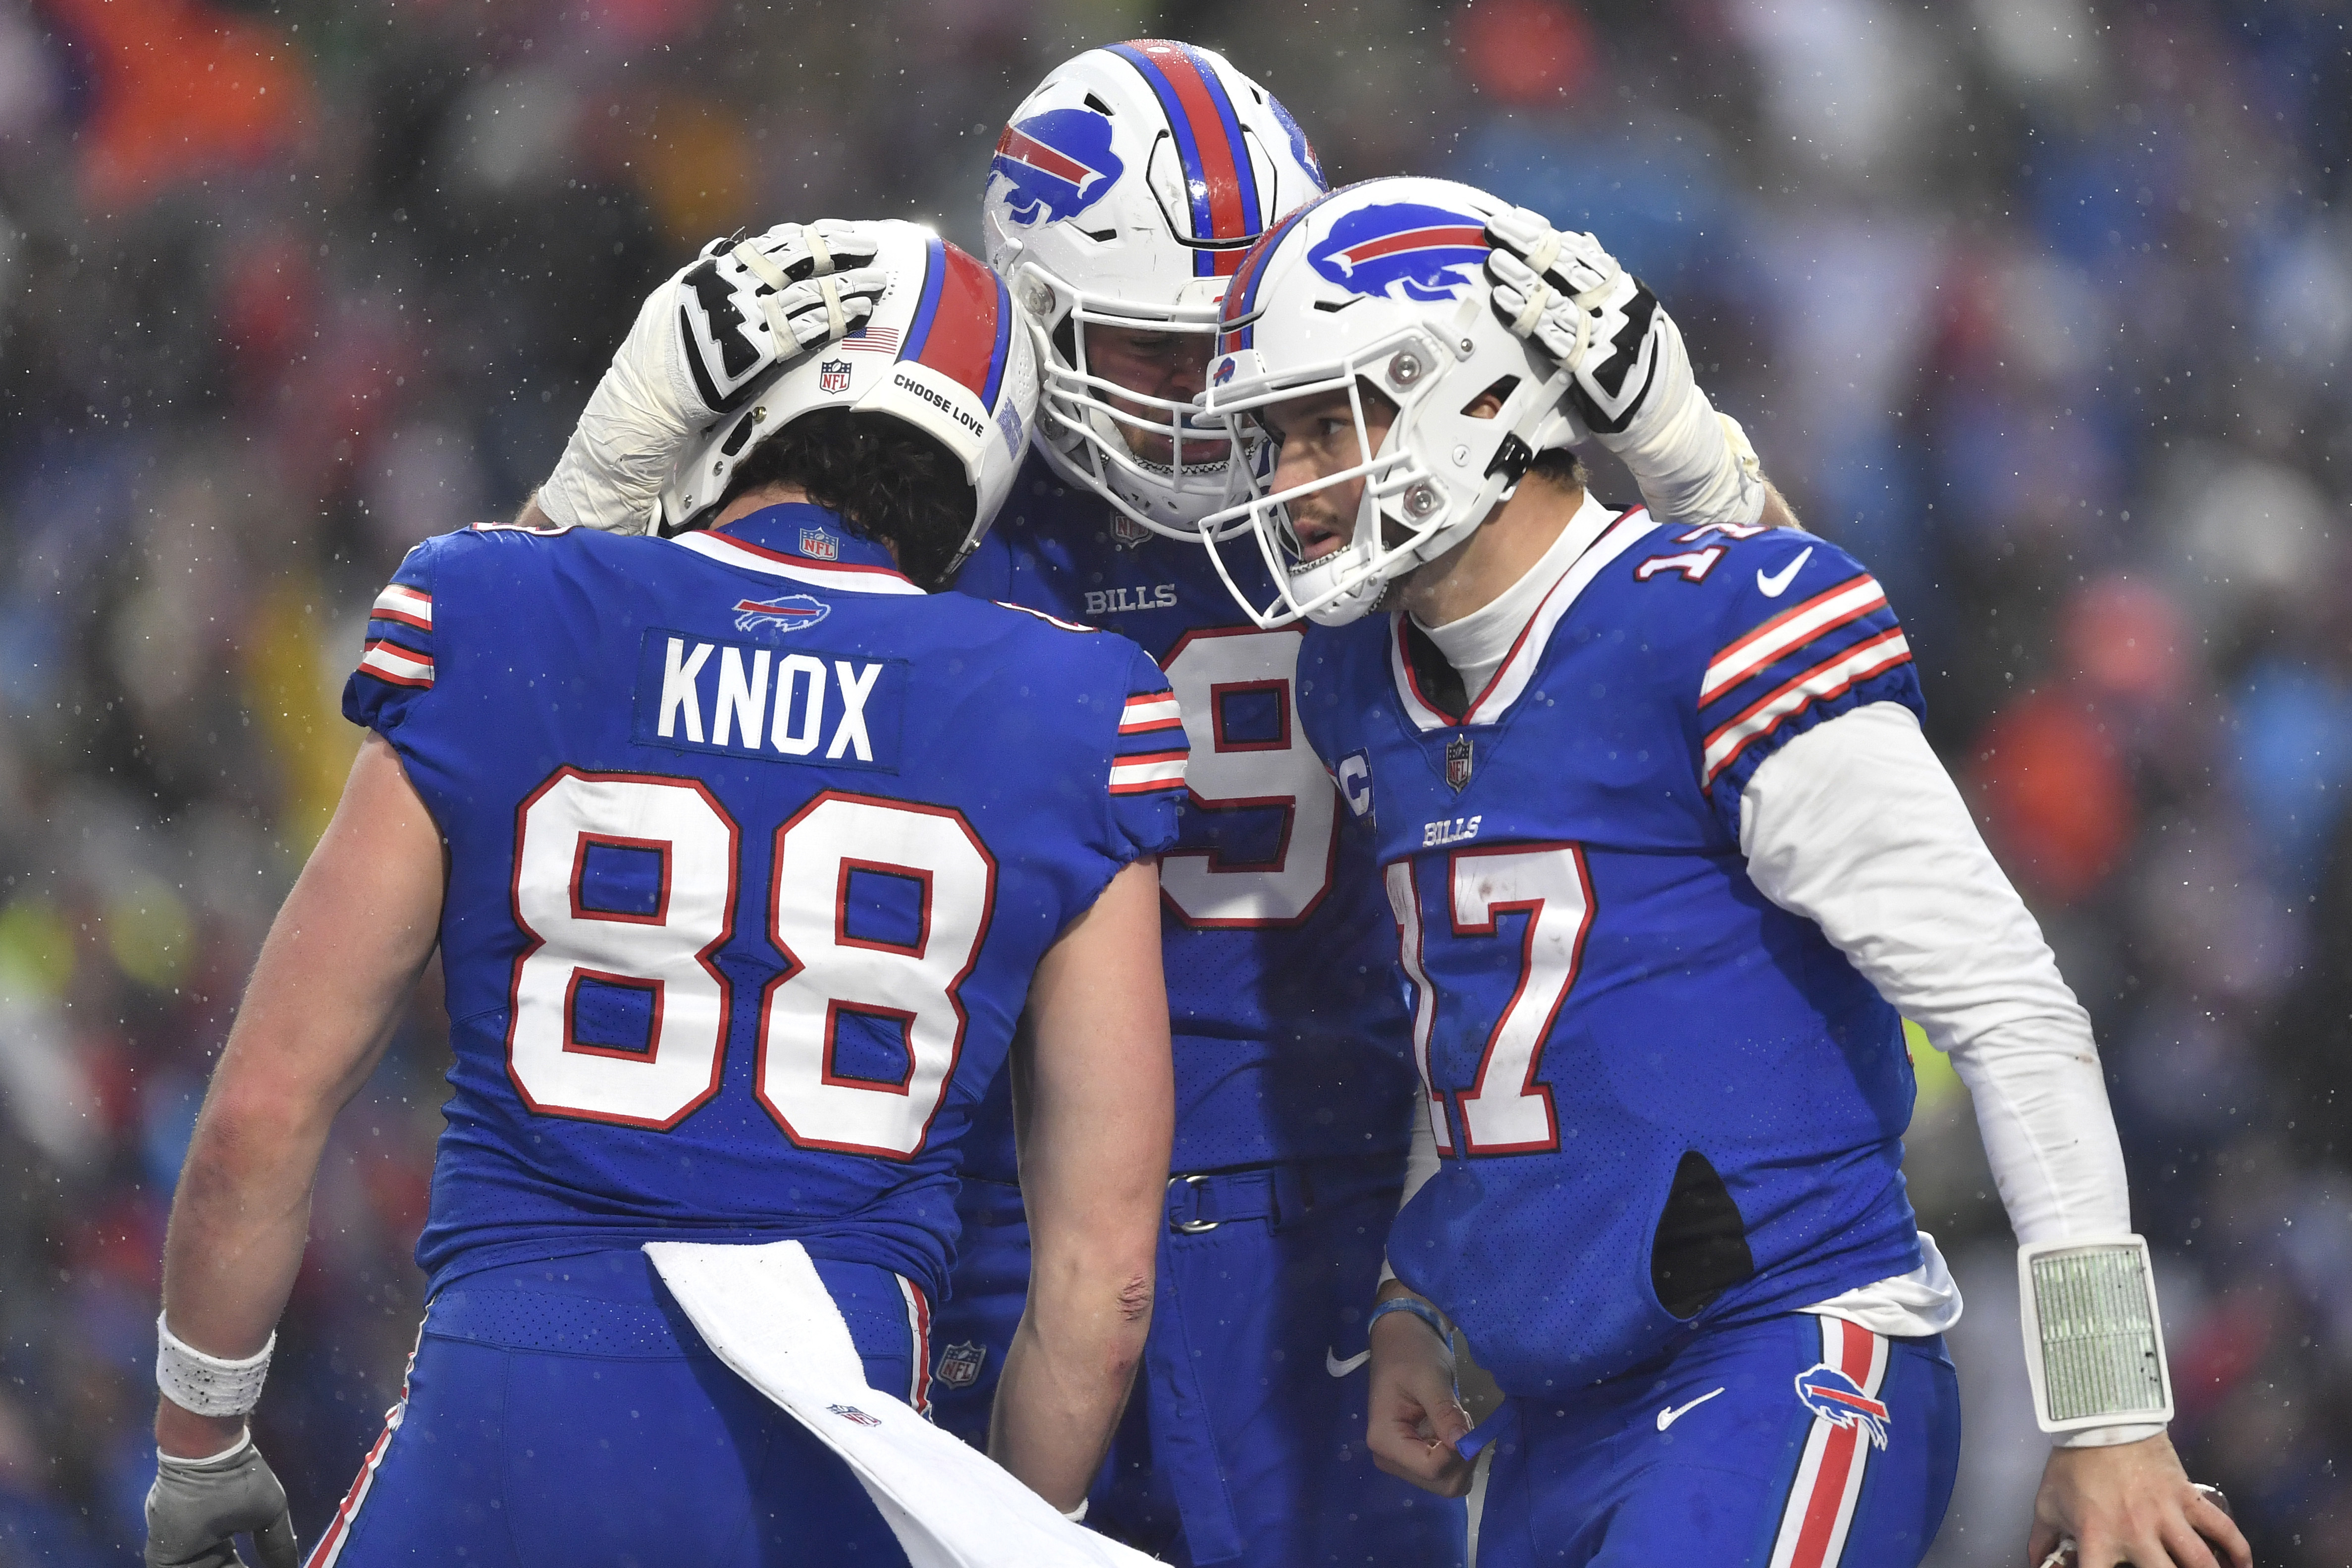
x,y
1421,1309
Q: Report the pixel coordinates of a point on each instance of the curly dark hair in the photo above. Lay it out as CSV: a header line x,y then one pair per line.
x,y
884,478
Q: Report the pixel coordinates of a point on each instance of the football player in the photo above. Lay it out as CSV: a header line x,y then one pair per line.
x,y
1120,198
744,851
1665,851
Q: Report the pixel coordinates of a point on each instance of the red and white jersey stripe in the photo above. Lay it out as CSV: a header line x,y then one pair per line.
x,y
407,606
1792,628
1151,713
1819,1510
402,667
1147,772
1833,677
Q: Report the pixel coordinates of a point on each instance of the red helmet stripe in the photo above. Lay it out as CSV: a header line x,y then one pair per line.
x,y
1415,239
1028,149
967,341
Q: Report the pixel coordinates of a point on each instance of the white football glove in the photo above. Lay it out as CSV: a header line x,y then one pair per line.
x,y
1634,388
704,341
196,1506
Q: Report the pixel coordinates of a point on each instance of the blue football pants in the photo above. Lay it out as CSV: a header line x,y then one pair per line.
x,y
1796,1442
1244,1441
566,1412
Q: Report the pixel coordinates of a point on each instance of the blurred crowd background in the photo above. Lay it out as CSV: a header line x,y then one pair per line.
x,y
2043,307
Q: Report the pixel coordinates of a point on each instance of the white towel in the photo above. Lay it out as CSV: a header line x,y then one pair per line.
x,y
766,1315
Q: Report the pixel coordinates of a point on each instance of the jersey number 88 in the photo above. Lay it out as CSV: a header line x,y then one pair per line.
x,y
668,952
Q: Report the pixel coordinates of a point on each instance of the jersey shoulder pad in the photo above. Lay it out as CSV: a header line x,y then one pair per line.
x,y
1785,631
399,658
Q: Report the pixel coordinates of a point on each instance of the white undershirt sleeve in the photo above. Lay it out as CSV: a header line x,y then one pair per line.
x,y
1420,1165
1855,826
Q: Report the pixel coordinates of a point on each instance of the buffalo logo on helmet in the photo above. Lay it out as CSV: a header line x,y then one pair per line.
x,y
833,375
793,613
1458,764
1840,1401
1403,251
959,1365
1224,372
1056,165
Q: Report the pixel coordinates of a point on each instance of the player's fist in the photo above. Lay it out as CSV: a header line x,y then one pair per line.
x,y
1564,293
197,1506
704,342
1415,1417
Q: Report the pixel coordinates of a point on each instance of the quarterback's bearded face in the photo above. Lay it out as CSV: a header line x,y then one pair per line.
x,y
1316,436
1163,364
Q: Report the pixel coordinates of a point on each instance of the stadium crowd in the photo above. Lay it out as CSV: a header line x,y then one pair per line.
x,y
2043,308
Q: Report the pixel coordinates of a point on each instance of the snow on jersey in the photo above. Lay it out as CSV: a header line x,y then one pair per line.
x,y
1290,1034
1649,1085
753,848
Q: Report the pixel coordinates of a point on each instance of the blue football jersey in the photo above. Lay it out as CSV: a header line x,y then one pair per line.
x,y
1601,993
1291,1037
753,848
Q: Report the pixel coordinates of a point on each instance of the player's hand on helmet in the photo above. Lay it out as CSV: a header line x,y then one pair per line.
x,y
2131,1503
1631,383
708,338
197,1506
1564,293
1415,1417
748,306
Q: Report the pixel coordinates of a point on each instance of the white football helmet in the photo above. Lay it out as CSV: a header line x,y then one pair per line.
x,y
1123,192
944,351
1382,284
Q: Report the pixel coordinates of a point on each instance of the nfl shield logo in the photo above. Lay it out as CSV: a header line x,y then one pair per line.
x,y
959,1365
1125,533
833,375
1457,762
819,545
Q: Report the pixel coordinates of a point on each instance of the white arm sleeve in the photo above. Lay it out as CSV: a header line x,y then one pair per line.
x,y
1855,826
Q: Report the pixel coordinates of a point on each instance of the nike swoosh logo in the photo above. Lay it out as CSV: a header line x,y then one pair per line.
x,y
1775,586
1337,1368
1673,1414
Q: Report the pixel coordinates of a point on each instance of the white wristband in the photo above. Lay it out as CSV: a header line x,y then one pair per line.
x,y
206,1385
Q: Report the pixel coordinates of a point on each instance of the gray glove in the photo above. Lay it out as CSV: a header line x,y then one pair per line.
x,y
196,1505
